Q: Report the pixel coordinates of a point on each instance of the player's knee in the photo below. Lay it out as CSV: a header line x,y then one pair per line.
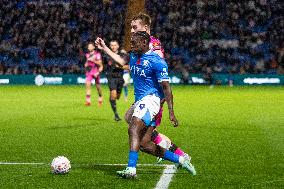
x,y
145,146
136,122
127,117
88,83
135,127
144,143
113,95
118,96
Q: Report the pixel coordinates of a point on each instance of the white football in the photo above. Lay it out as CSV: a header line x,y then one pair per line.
x,y
60,165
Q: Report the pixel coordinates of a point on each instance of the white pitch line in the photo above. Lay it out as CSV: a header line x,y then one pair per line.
x,y
18,163
163,183
166,177
103,164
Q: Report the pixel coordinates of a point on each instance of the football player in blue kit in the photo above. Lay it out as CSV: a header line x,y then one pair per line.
x,y
151,83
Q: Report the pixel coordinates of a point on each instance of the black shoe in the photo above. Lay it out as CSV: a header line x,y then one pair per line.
x,y
117,118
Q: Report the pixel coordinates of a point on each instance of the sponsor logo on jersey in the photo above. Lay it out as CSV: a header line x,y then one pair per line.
x,y
137,71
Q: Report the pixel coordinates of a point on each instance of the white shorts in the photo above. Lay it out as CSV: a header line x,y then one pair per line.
x,y
126,77
147,108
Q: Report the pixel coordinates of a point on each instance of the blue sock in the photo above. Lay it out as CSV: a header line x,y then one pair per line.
x,y
132,158
171,156
125,91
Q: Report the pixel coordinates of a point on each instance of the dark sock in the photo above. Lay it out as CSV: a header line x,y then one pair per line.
x,y
154,135
113,106
173,148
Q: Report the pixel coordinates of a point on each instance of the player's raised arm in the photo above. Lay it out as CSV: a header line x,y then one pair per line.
x,y
169,99
101,45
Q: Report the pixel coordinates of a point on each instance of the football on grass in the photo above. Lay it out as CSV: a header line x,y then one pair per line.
x,y
60,165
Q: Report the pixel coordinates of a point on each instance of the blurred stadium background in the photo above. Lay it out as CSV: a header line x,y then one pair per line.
x,y
225,38
234,134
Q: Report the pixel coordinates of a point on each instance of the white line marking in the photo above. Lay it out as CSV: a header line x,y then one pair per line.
x,y
163,183
17,163
103,164
166,177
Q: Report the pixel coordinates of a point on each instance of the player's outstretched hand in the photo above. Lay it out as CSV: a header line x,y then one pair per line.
x,y
100,43
173,119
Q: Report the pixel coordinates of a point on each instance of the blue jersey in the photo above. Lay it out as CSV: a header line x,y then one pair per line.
x,y
147,71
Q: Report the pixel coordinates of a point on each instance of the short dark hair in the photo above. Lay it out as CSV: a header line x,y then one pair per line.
x,y
91,43
114,40
145,18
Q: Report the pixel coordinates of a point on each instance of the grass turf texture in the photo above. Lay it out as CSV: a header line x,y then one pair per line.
x,y
235,136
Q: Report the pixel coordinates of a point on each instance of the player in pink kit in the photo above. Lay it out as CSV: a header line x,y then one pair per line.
x,y
93,68
155,45
142,22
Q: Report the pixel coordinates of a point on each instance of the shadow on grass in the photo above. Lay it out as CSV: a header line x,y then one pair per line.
x,y
79,122
73,126
90,119
111,169
108,170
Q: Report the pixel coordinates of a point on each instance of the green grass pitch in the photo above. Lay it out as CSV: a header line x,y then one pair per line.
x,y
234,135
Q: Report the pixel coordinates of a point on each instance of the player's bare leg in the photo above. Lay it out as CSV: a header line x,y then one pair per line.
x,y
140,138
99,89
128,115
165,142
151,148
118,95
135,133
88,93
157,138
112,99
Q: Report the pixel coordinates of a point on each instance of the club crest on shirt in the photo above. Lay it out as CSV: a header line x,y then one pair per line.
x,y
145,63
141,106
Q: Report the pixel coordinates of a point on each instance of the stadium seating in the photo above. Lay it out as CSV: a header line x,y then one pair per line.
x,y
224,36
41,32
209,36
